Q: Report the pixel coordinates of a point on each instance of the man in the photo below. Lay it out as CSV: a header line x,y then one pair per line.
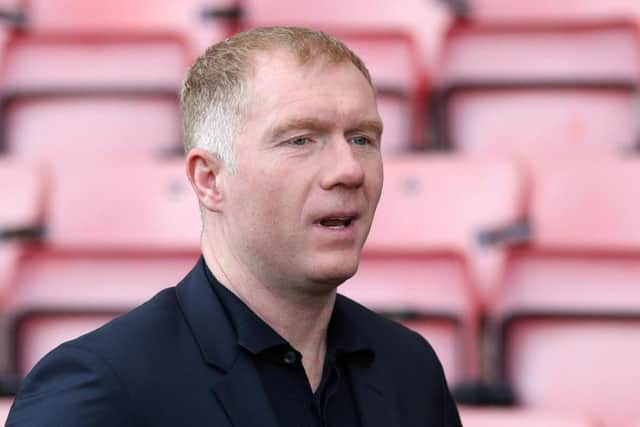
x,y
283,141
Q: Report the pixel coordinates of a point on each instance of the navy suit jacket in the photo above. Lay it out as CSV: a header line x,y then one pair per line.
x,y
174,361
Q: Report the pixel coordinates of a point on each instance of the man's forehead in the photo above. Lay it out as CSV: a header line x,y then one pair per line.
x,y
278,78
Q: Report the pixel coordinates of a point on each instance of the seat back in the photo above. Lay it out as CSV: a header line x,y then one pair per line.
x,y
549,10
568,316
584,243
566,363
116,233
523,89
64,94
199,23
21,212
479,417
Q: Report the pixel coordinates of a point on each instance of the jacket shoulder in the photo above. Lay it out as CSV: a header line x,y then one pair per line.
x,y
71,386
383,332
408,362
93,376
137,328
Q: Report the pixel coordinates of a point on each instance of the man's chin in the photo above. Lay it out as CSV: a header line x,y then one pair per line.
x,y
330,277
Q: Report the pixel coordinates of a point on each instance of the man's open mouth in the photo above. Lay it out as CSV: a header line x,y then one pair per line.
x,y
336,223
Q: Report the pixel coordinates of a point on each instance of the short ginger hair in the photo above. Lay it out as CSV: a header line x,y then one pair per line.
x,y
214,91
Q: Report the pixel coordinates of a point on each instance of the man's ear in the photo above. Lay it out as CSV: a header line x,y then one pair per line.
x,y
203,171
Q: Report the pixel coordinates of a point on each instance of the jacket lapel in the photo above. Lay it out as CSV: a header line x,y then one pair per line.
x,y
238,388
242,396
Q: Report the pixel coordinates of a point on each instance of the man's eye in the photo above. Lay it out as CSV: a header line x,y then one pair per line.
x,y
299,141
361,140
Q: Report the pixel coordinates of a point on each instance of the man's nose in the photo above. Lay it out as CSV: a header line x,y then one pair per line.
x,y
342,166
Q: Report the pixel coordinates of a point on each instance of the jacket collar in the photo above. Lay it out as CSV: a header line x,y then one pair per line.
x,y
217,338
207,319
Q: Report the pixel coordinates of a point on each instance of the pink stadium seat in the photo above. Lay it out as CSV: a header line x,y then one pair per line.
x,y
587,363
86,201
474,417
21,211
97,260
65,94
525,88
185,19
568,316
415,263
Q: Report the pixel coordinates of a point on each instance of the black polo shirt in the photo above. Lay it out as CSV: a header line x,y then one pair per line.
x,y
279,366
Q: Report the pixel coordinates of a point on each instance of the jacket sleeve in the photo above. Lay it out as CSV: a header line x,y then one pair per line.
x,y
71,387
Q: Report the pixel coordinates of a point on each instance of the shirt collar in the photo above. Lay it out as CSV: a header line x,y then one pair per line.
x,y
256,336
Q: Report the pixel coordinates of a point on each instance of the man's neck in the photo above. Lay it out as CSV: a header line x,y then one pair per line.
x,y
301,318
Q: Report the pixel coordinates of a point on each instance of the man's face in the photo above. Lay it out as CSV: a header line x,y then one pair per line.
x,y
308,173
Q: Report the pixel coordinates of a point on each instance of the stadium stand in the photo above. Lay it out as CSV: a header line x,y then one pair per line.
x,y
414,265
521,88
567,321
86,85
474,417
96,260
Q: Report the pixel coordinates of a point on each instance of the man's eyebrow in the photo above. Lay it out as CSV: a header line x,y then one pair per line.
x,y
372,125
299,123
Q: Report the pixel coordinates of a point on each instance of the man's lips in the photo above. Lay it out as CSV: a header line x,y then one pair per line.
x,y
337,221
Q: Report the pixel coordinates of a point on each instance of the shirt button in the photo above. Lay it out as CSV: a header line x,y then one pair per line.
x,y
290,357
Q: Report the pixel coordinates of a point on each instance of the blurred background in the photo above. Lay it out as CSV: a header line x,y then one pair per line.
x,y
507,233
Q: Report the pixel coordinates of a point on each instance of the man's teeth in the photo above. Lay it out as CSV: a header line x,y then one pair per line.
x,y
336,223
336,227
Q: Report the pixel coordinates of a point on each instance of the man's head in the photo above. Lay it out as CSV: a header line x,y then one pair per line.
x,y
283,139
214,95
